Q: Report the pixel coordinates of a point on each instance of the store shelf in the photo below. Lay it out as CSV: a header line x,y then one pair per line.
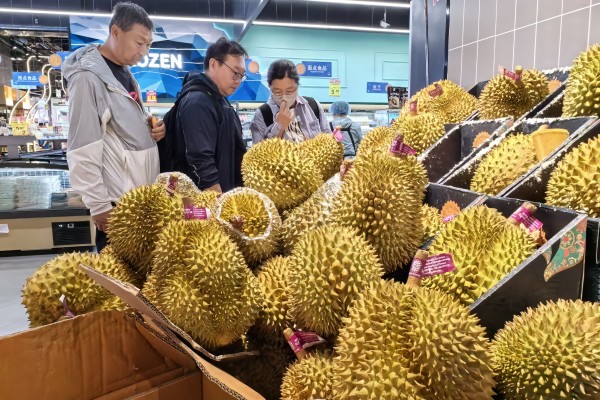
x,y
13,142
47,213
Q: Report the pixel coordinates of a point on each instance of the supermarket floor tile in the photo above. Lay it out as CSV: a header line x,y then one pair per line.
x,y
13,272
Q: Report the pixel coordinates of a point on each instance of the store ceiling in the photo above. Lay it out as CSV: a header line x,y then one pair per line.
x,y
44,33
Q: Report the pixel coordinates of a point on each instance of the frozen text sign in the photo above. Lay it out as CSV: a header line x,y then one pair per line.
x,y
162,60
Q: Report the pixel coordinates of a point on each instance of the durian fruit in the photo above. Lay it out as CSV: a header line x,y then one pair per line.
x,y
206,199
381,198
480,139
263,373
136,221
432,221
550,352
504,164
328,268
453,106
63,276
378,139
485,247
252,221
200,281
372,348
449,349
325,152
135,277
309,378
574,182
275,316
449,209
183,186
504,96
420,131
278,169
582,94
309,215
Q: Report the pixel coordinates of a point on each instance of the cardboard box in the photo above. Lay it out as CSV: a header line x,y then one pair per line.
x,y
533,187
548,274
108,356
461,175
554,109
457,144
136,300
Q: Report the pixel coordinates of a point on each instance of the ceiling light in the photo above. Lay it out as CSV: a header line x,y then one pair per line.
x,y
7,10
331,27
363,3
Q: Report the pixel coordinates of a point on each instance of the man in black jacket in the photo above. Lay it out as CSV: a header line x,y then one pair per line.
x,y
209,132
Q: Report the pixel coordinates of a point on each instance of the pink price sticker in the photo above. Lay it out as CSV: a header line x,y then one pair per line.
x,y
413,106
438,91
416,268
303,340
510,74
338,135
449,218
438,265
191,212
400,148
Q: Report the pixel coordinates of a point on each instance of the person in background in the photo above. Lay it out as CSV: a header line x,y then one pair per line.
x,y
209,141
351,130
111,144
286,115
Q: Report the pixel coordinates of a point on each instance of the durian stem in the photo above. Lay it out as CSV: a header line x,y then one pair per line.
x,y
414,281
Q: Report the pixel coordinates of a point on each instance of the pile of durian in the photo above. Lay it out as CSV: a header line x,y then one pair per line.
x,y
305,247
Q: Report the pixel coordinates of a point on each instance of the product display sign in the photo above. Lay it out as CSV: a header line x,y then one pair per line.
x,y
334,87
319,69
377,87
151,96
26,80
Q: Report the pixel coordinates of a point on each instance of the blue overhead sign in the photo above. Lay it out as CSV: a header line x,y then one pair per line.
x,y
377,87
26,80
320,69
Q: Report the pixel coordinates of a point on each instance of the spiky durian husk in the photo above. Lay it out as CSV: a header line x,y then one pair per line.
x,y
432,221
206,199
135,277
504,97
420,131
136,221
309,378
62,276
263,373
325,152
275,316
378,139
574,181
582,94
278,169
453,106
450,351
328,267
309,215
201,282
258,235
372,348
485,247
381,198
550,352
185,186
504,164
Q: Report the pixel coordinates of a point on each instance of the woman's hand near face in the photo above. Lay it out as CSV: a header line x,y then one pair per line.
x,y
284,117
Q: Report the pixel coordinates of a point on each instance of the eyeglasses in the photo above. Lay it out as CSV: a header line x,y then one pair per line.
x,y
236,75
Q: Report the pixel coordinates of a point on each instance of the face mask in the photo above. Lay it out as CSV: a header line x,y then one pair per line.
x,y
289,99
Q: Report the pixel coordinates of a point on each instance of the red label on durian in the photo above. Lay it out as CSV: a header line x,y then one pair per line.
x,y
400,148
438,91
192,212
303,340
337,133
437,265
416,268
449,218
510,74
172,185
524,217
413,106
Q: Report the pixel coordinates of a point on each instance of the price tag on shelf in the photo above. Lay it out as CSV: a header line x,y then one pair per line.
x,y
334,87
4,229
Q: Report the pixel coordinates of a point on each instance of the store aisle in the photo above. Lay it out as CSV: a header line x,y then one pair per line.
x,y
13,272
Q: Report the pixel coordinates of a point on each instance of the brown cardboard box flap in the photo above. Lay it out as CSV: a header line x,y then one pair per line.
x,y
131,295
